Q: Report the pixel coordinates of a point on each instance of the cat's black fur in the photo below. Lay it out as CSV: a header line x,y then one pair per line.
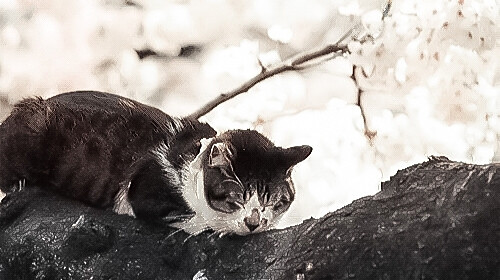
x,y
106,150
86,145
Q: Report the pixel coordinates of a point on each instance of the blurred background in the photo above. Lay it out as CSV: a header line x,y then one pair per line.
x,y
429,78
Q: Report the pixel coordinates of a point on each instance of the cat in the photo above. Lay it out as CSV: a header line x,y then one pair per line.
x,y
112,152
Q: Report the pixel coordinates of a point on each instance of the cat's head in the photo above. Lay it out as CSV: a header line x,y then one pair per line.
x,y
247,180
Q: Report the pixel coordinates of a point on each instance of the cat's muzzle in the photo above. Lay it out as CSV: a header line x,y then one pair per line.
x,y
254,220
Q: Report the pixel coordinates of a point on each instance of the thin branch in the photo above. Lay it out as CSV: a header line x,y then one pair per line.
x,y
295,63
387,8
306,57
368,133
262,67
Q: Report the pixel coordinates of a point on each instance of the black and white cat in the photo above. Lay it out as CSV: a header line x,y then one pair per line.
x,y
112,152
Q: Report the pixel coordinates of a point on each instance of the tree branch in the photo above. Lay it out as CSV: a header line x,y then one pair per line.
x,y
297,62
414,228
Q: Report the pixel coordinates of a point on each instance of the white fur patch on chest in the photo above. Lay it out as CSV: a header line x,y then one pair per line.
x,y
194,194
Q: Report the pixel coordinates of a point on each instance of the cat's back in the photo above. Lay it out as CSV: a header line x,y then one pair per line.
x,y
80,143
95,106
69,120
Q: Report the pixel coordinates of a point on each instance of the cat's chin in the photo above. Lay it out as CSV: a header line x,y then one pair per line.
x,y
257,231
194,227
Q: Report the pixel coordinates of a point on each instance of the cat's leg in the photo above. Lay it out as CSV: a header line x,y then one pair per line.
x,y
12,185
154,193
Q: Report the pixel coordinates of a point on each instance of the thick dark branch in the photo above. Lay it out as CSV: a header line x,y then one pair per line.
x,y
295,63
434,220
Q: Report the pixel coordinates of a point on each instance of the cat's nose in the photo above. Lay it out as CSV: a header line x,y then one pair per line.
x,y
253,221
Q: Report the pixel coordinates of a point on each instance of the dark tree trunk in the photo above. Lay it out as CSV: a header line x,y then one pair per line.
x,y
435,220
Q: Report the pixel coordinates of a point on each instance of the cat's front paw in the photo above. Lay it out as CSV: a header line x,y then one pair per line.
x,y
15,187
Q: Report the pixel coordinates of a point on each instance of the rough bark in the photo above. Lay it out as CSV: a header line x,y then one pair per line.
x,y
435,220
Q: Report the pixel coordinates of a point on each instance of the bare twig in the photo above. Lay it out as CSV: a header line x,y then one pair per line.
x,y
262,67
387,8
368,133
297,62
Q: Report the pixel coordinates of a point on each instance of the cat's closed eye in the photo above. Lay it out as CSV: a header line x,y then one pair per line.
x,y
282,204
227,196
265,198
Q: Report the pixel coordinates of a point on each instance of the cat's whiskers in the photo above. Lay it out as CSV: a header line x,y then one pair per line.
x,y
221,228
187,229
173,233
194,234
223,233
176,217
212,234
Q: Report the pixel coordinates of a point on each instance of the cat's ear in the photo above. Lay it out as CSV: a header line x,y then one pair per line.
x,y
220,155
294,155
193,130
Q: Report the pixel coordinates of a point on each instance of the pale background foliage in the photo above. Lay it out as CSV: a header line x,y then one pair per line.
x,y
432,86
